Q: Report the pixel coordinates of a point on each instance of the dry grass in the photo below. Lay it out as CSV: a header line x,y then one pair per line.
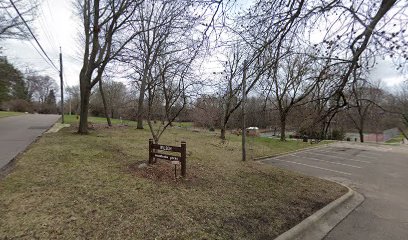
x,y
9,114
68,186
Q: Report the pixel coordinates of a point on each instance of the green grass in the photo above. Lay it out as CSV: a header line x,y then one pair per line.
x,y
396,139
9,114
68,186
74,119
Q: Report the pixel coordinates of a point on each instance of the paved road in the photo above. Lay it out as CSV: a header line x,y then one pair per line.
x,y
16,133
378,172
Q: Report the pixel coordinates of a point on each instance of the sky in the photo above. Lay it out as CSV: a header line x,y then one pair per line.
x,y
57,26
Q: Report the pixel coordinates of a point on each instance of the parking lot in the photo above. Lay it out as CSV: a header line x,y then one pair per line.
x,y
379,172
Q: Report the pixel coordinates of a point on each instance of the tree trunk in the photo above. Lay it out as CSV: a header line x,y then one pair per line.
x,y
84,108
360,131
105,106
141,101
225,119
223,132
140,111
283,128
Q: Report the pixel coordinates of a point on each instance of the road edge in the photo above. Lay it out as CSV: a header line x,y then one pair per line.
x,y
319,224
8,168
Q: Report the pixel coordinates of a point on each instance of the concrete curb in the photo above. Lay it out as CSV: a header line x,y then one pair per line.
x,y
313,227
295,151
56,127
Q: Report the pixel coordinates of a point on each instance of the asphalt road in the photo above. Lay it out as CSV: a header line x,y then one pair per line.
x,y
379,172
17,132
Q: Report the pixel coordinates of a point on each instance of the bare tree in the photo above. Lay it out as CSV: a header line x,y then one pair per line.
x,y
113,102
106,32
363,98
291,83
401,107
157,19
73,99
351,28
11,25
232,78
357,29
167,94
39,87
105,104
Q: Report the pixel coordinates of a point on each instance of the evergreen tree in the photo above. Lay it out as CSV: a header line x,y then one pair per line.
x,y
51,99
12,84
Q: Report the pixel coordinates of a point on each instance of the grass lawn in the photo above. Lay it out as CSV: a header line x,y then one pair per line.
x,y
68,186
396,139
74,119
9,114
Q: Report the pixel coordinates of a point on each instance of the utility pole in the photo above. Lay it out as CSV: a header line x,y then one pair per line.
x,y
62,88
244,111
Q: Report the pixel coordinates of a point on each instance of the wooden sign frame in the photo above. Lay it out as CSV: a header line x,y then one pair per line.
x,y
154,154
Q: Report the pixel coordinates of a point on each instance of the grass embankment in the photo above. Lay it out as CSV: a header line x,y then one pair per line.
x,y
9,114
68,186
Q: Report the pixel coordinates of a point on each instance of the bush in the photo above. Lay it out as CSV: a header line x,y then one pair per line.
x,y
18,105
338,134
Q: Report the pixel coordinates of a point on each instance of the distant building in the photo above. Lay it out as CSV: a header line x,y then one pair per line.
x,y
374,137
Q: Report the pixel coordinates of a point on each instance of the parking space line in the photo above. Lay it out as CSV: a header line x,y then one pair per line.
x,y
371,154
368,158
335,152
354,160
312,166
320,160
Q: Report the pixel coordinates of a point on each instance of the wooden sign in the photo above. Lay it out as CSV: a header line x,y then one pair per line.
x,y
166,157
154,154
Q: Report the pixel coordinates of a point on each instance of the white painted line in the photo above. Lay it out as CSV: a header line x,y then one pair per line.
x,y
334,152
312,166
320,160
368,158
371,154
354,160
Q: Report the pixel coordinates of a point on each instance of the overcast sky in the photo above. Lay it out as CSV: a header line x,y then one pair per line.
x,y
56,26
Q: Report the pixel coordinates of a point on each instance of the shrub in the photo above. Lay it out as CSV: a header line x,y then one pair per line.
x,y
18,105
338,134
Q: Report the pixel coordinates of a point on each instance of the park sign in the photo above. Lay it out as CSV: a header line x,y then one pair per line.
x,y
155,154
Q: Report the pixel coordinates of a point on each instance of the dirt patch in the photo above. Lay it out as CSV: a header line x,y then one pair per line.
x,y
163,171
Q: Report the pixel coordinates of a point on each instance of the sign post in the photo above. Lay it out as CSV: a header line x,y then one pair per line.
x,y
153,154
150,151
183,159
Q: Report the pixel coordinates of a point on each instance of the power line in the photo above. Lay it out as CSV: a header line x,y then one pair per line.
x,y
44,25
32,34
